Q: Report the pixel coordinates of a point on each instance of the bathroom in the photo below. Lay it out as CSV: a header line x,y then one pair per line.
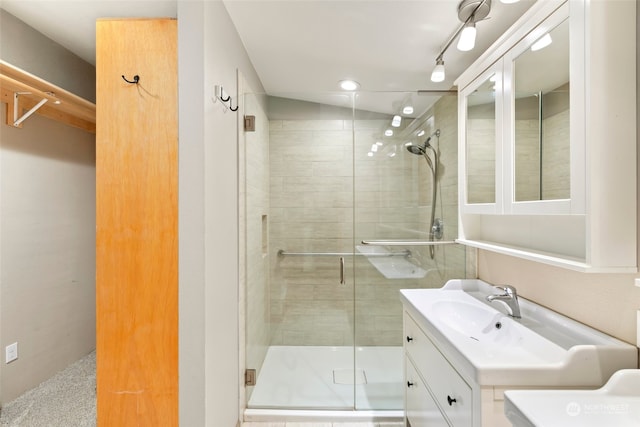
x,y
605,301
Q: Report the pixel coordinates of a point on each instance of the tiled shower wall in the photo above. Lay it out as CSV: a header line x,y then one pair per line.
x,y
312,211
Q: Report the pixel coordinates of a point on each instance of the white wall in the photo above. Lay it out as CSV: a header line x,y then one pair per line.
x,y
210,53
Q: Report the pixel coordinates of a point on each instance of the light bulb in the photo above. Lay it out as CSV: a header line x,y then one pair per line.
x,y
408,109
438,74
542,42
467,39
349,85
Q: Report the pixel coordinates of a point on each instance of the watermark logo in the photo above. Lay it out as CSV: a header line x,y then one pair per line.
x,y
573,409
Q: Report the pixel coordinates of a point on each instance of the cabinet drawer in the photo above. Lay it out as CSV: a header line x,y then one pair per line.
x,y
421,409
449,390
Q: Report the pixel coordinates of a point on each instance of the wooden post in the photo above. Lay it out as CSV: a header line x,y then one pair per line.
x,y
137,223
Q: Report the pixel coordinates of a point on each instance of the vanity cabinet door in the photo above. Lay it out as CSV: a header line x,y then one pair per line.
x,y
452,394
420,408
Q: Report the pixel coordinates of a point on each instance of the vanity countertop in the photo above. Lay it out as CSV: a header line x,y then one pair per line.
x,y
542,349
616,404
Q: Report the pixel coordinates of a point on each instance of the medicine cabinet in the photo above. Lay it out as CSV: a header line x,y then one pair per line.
x,y
547,138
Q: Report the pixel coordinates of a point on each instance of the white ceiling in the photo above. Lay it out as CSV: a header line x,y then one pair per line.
x,y
305,45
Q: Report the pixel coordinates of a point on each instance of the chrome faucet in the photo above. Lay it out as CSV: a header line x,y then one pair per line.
x,y
509,297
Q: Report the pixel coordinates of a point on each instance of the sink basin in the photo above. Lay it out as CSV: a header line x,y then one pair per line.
x,y
486,325
543,348
617,403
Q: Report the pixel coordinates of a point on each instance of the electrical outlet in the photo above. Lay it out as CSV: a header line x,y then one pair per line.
x,y
11,352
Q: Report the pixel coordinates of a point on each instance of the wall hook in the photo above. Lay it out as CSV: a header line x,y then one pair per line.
x,y
225,99
136,79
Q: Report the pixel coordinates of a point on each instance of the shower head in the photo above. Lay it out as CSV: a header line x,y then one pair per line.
x,y
419,149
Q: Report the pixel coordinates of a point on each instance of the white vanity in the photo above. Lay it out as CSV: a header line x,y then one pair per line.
x,y
462,353
617,403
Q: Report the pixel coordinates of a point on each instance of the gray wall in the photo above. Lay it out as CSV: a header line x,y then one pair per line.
x,y
47,222
210,53
26,48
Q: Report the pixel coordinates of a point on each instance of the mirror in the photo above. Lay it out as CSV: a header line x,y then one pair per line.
x,y
481,143
541,128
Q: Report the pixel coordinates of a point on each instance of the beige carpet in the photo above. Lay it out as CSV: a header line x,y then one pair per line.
x,y
68,399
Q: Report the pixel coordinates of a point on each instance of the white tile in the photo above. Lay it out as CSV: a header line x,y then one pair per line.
x,y
299,424
264,424
355,424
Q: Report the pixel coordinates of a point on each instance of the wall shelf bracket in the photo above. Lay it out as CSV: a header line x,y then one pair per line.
x,y
16,109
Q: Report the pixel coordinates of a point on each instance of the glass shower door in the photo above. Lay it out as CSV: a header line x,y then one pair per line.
x,y
323,321
396,174
298,169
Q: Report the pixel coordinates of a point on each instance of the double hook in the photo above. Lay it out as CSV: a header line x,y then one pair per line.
x,y
224,98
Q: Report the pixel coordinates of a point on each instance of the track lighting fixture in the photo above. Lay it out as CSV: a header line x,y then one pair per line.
x,y
438,74
469,12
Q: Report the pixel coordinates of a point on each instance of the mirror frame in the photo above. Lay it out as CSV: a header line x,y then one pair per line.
x,y
576,203
482,208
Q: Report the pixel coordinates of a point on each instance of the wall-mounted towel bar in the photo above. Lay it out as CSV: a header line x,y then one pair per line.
x,y
408,242
342,254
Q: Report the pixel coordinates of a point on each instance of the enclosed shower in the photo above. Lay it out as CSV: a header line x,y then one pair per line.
x,y
338,217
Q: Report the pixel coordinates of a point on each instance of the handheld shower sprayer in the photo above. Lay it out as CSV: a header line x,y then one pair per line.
x,y
419,149
435,227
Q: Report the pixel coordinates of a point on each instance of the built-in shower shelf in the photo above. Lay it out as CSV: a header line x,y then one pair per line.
x,y
391,267
26,94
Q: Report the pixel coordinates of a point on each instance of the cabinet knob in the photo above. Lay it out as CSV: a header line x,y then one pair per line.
x,y
451,400
409,339
410,384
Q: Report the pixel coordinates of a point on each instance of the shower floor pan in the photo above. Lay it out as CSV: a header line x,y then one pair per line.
x,y
323,377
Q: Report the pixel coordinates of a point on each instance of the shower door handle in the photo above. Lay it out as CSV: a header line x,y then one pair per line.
x,y
342,270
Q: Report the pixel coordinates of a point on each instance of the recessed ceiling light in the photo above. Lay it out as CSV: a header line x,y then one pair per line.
x,y
349,84
388,132
420,132
408,109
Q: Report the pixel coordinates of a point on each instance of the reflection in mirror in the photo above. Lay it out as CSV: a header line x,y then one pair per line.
x,y
541,128
481,143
